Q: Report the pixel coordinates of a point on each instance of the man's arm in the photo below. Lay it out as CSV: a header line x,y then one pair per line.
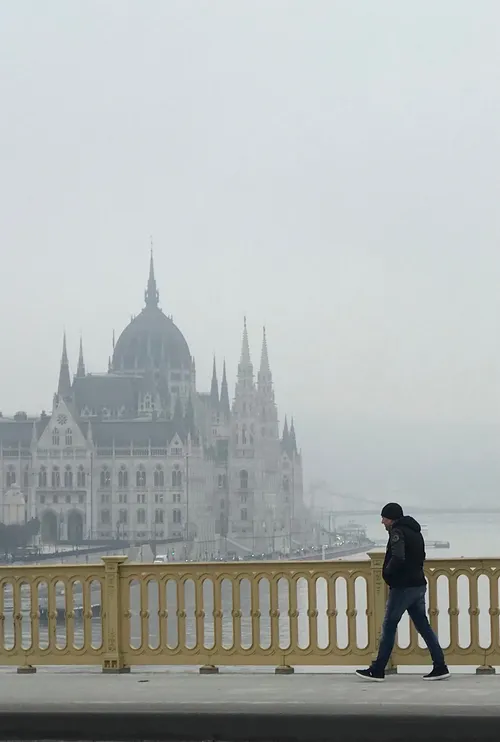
x,y
397,547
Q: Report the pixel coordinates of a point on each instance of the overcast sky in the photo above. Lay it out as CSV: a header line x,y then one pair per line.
x,y
328,168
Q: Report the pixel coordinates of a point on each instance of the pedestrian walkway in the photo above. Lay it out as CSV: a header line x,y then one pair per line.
x,y
237,706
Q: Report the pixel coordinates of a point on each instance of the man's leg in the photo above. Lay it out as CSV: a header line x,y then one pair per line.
x,y
396,606
418,615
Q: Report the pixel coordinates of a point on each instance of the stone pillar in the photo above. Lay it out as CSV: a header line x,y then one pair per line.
x,y
113,625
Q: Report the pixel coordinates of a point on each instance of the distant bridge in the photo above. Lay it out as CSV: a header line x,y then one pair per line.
x,y
423,511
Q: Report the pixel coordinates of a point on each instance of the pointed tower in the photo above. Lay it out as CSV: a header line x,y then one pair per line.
x,y
286,434
244,397
265,378
64,385
245,367
151,295
80,371
268,414
224,395
293,439
214,389
244,418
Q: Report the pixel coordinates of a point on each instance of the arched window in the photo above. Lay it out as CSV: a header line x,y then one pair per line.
x,y
141,516
26,477
105,477
243,434
56,477
122,516
80,477
243,479
286,484
159,516
159,477
55,437
140,477
123,476
10,477
69,437
42,477
68,477
176,478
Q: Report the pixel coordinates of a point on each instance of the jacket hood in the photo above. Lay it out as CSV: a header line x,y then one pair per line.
x,y
408,522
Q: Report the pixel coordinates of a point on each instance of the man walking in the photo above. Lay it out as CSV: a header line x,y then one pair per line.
x,y
403,571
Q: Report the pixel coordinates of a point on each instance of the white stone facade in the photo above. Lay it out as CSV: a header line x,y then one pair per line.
x,y
139,454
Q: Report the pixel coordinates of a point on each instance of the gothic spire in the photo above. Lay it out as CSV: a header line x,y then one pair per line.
x,y
214,389
80,371
64,385
265,378
265,369
245,349
224,394
286,434
151,294
293,439
245,367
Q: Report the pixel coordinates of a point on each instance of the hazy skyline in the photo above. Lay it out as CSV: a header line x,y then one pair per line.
x,y
329,169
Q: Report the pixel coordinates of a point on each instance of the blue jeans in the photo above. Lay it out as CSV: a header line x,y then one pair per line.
x,y
411,599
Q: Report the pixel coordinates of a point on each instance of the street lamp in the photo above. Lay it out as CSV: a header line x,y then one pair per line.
x,y
187,505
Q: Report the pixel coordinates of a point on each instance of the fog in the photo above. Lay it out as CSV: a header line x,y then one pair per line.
x,y
328,169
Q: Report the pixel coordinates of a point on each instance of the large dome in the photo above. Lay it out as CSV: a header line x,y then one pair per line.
x,y
151,338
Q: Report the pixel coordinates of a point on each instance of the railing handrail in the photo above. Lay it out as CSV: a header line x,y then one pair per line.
x,y
119,613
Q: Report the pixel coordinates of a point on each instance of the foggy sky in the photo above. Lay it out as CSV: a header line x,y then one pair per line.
x,y
330,169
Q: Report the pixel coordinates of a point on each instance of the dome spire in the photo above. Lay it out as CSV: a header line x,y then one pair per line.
x,y
151,294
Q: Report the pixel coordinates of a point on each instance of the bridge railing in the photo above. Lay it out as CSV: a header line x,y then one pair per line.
x,y
282,614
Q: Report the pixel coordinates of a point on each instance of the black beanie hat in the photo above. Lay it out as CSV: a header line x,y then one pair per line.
x,y
392,510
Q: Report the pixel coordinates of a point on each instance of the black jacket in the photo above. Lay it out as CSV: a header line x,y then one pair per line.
x,y
405,555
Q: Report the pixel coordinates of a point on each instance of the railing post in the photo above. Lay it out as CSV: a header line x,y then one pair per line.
x,y
112,618
379,600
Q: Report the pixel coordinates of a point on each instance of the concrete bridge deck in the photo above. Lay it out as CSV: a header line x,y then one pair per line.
x,y
236,706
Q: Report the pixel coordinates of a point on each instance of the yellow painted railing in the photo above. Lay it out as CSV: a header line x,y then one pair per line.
x,y
118,614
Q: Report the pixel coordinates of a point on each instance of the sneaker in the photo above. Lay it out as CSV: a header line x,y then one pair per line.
x,y
438,673
370,674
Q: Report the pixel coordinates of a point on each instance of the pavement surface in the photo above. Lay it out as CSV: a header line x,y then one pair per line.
x,y
246,707
234,692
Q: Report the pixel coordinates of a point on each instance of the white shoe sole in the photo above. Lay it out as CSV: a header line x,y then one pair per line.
x,y
439,677
371,680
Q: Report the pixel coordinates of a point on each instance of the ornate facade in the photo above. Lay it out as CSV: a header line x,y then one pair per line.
x,y
138,453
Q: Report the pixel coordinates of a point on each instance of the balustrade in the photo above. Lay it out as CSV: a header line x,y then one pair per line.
x,y
119,614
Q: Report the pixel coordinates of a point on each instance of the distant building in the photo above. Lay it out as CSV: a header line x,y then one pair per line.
x,y
13,509
137,452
